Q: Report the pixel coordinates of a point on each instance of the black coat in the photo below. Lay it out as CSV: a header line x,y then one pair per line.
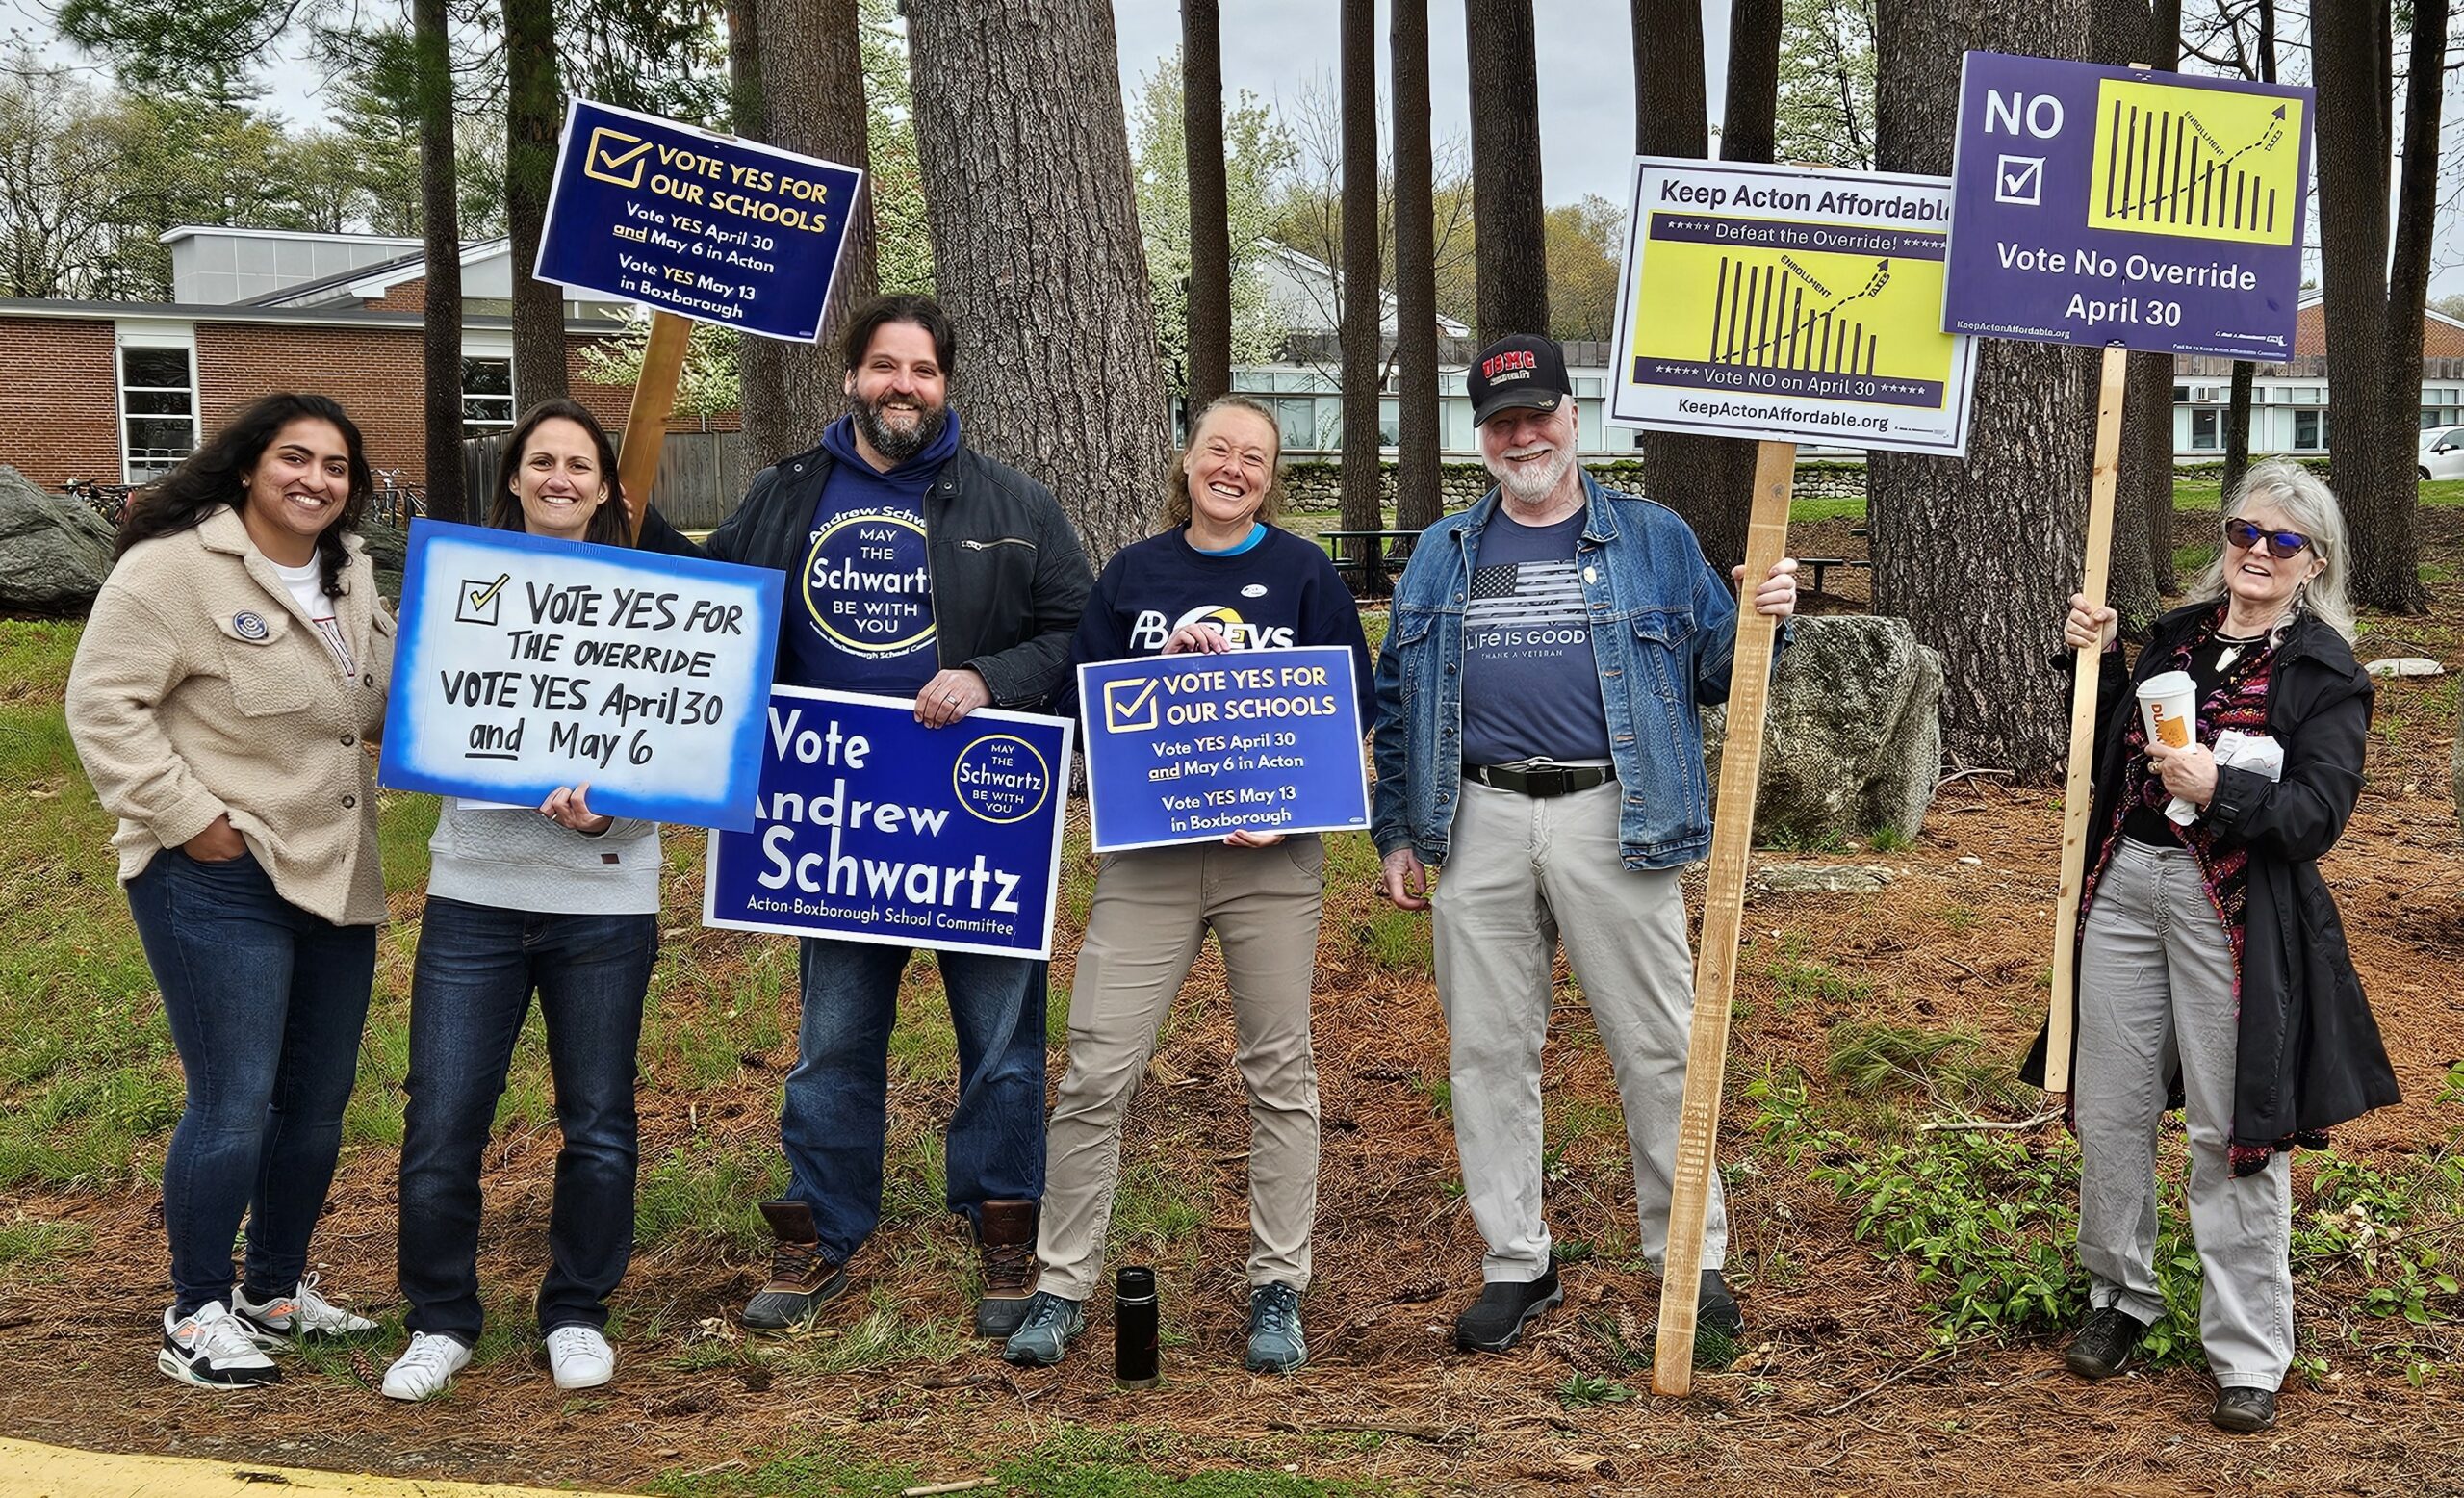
x,y
2308,1054
1008,577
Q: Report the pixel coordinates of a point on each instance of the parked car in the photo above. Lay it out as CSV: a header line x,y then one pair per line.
x,y
2442,452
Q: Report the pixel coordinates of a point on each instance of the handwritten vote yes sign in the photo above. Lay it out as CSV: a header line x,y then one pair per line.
x,y
524,665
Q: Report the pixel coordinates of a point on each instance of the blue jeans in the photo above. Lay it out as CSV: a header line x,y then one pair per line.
x,y
470,990
265,1003
835,1114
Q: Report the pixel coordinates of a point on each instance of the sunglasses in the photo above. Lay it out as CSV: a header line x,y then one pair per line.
x,y
2281,544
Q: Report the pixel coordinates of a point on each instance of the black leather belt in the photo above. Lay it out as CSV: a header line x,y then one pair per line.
x,y
1541,780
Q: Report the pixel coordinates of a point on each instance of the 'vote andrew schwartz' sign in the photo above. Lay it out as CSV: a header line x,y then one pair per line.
x,y
2113,205
1187,748
699,224
872,827
524,665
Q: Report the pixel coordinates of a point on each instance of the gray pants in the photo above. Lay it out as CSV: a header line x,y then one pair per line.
x,y
1522,872
2156,983
1151,913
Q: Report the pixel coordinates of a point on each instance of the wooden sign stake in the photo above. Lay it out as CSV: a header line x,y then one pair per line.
x,y
646,425
1766,540
2077,787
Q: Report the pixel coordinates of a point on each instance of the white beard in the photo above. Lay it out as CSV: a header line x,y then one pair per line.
x,y
1531,487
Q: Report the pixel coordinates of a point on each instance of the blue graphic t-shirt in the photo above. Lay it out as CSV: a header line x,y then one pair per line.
x,y
860,612
1530,686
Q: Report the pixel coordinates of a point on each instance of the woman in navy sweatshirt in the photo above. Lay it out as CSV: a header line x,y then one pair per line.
x,y
1219,577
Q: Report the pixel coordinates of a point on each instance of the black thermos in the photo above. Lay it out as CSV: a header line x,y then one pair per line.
x,y
1136,1351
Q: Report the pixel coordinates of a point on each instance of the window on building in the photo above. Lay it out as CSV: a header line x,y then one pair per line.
x,y
2206,430
2309,430
158,410
2181,394
487,396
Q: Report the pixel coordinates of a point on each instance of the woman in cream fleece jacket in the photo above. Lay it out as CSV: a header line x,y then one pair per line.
x,y
234,662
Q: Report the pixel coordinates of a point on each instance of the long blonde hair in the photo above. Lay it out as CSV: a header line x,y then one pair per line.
x,y
2311,505
1176,484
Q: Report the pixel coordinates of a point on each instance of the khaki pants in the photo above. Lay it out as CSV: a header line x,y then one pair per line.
x,y
1522,872
2156,986
1151,912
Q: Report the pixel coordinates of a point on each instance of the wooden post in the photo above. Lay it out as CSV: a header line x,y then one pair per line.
x,y
1766,540
646,425
2078,788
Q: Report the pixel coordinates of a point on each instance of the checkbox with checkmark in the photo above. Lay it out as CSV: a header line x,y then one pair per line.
x,y
2019,179
615,157
478,602
1129,707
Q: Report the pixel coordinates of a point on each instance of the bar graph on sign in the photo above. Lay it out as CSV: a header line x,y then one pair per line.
x,y
2196,162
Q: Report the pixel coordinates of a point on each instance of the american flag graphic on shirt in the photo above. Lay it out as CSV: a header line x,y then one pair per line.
x,y
1526,607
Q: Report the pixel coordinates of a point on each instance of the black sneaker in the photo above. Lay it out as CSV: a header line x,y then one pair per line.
x,y
1716,1308
2244,1412
212,1349
1495,1322
2104,1343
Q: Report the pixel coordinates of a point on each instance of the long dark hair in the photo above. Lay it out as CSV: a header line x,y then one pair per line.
x,y
611,523
216,475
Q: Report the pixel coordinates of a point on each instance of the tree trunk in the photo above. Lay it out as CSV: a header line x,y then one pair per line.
x,y
1710,480
534,111
1364,500
1942,529
760,362
1509,217
2237,429
1036,251
1419,492
2373,305
1210,299
813,90
1749,118
441,233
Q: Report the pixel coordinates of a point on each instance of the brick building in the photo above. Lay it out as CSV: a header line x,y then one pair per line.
x,y
117,392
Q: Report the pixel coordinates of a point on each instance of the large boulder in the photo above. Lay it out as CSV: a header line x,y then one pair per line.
x,y
1852,743
54,551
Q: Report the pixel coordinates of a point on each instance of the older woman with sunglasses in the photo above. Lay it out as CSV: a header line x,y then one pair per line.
x,y
2213,971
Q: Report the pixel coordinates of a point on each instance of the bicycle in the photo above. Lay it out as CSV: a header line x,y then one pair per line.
x,y
398,502
110,501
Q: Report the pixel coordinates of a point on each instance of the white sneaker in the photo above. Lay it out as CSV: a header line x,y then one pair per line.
x,y
580,1356
426,1367
213,1349
303,1312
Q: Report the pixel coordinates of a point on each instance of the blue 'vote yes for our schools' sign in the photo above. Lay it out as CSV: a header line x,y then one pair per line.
x,y
1187,748
871,827
703,226
2113,205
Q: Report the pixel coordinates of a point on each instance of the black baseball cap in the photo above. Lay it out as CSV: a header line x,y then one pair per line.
x,y
1518,370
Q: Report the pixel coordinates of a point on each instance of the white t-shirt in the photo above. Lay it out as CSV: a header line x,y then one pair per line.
x,y
307,584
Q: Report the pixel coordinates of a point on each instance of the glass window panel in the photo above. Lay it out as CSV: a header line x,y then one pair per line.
x,y
487,378
2204,428
158,403
1390,423
156,367
155,436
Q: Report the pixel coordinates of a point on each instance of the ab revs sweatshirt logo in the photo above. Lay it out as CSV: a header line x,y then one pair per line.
x,y
1151,630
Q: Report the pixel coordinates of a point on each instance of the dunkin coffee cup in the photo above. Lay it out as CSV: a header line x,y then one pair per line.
x,y
2169,706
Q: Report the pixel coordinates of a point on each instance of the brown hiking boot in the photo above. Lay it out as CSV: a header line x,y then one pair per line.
x,y
1005,1236
801,1278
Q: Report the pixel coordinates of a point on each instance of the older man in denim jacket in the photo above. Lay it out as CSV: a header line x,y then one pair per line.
x,y
1539,736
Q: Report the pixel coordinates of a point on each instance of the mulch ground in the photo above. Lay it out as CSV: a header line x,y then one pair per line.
x,y
1832,1392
